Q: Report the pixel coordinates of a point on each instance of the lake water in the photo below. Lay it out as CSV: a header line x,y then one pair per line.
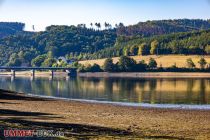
x,y
123,90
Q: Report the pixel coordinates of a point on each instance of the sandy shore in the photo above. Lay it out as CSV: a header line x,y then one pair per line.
x,y
101,121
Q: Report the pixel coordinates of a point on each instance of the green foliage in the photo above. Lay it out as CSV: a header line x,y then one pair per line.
x,y
152,63
15,62
109,66
10,28
160,27
154,47
202,62
190,64
95,68
143,49
126,64
207,49
48,62
125,52
89,68
140,67
78,42
134,50
37,62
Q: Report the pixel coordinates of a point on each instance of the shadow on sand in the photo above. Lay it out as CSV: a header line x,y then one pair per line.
x,y
13,119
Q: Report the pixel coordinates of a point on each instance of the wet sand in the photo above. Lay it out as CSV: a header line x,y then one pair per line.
x,y
101,121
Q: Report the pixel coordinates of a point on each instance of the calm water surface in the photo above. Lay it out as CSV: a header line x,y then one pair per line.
x,y
152,91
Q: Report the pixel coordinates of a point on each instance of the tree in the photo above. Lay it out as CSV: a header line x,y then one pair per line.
x,y
106,25
91,24
98,25
141,66
190,64
121,25
125,51
152,63
36,62
126,64
143,49
21,55
95,68
15,62
154,47
134,50
28,56
202,62
108,65
48,62
207,49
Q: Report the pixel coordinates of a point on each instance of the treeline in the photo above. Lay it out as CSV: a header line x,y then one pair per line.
x,y
18,48
127,64
68,41
160,27
189,43
10,28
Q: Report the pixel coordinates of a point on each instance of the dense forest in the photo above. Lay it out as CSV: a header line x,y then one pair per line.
x,y
9,28
184,36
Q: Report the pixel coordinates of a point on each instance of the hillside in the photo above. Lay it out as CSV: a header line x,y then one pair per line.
x,y
66,41
160,27
163,60
188,43
10,28
183,36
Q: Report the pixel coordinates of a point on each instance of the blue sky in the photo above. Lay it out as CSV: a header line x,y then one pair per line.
x,y
42,13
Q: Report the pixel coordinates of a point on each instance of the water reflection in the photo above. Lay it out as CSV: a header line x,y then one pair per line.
x,y
154,91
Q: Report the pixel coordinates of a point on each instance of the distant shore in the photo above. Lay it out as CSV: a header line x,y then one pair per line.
x,y
37,73
148,75
91,120
120,74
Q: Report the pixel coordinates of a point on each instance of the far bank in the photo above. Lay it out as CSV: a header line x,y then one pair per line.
x,y
117,74
147,75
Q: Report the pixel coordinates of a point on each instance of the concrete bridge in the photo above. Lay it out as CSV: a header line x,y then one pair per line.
x,y
71,71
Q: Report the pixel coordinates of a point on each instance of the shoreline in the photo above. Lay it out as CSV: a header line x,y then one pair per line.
x,y
203,107
146,75
92,120
116,75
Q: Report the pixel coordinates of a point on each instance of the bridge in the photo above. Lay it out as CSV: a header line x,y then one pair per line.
x,y
71,71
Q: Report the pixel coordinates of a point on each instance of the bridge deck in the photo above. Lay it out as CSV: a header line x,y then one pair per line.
x,y
35,68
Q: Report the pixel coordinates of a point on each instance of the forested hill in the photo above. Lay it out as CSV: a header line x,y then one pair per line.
x,y
10,28
188,43
159,27
18,47
57,41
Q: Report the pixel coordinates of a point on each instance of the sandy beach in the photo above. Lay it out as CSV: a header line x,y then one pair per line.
x,y
101,121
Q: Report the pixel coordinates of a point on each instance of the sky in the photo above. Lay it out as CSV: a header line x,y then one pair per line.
x,y
42,13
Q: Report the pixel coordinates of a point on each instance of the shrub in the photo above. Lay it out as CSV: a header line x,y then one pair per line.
x,y
152,63
190,64
202,62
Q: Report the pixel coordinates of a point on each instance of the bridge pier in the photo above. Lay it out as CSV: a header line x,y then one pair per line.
x,y
12,78
71,73
52,74
13,73
32,73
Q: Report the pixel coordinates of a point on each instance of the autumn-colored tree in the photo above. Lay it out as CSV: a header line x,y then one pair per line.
x,y
154,47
